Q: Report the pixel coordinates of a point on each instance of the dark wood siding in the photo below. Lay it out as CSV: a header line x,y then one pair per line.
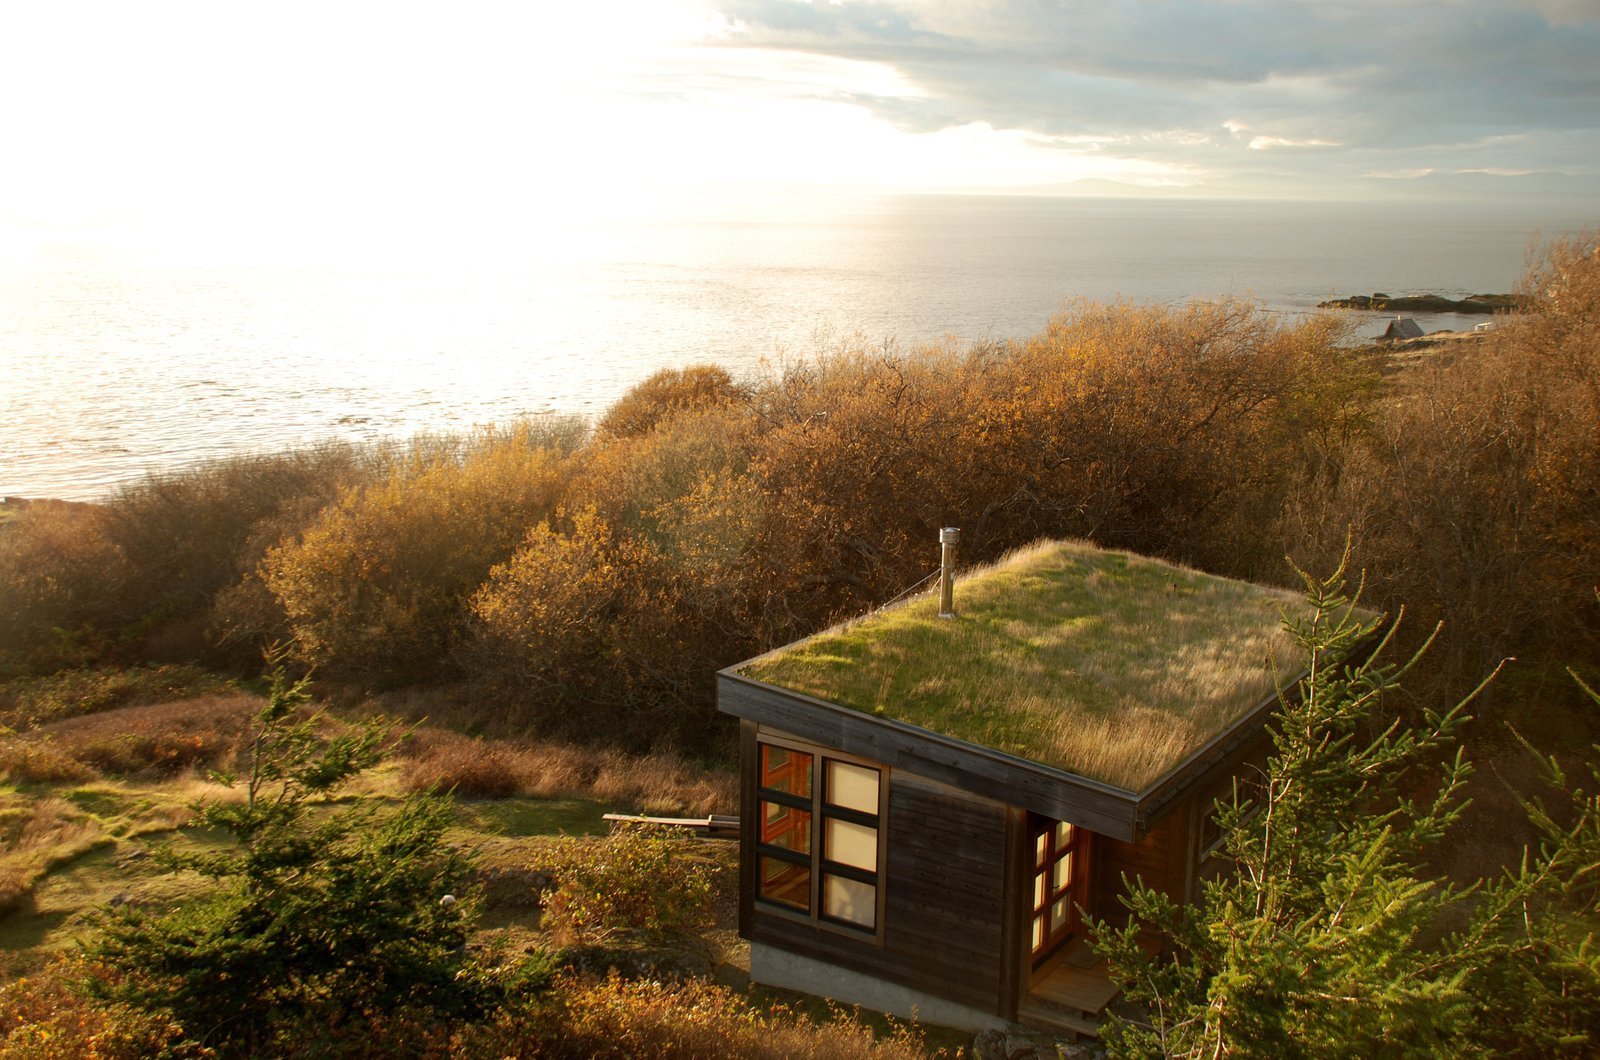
x,y
1161,858
944,899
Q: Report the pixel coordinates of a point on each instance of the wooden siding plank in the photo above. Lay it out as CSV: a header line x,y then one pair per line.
x,y
749,764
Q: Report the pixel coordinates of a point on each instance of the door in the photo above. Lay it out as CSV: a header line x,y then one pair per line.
x,y
1056,885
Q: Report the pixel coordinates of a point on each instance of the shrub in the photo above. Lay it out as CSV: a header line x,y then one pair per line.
x,y
658,782
375,585
35,760
159,738
48,1017
1477,490
687,1020
61,574
668,393
189,534
637,884
464,767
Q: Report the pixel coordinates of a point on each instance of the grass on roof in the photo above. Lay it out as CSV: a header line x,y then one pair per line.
x,y
1108,665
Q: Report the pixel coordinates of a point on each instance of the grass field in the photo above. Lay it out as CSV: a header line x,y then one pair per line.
x,y
85,800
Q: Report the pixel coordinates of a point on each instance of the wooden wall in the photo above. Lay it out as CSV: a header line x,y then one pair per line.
x,y
1162,857
945,900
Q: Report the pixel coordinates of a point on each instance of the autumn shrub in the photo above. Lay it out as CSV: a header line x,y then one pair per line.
x,y
191,533
1476,494
610,620
667,393
375,585
638,884
692,1018
61,577
864,455
35,760
557,629
155,739
659,782
49,1017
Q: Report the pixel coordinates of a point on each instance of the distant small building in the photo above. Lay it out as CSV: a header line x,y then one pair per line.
x,y
1487,325
1401,328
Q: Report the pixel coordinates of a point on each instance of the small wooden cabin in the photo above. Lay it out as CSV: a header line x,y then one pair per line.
x,y
929,804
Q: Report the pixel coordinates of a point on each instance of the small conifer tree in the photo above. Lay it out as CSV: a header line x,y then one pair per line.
x,y
317,911
1323,939
1328,936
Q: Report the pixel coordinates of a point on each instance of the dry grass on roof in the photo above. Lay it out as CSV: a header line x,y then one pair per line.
x,y
1105,664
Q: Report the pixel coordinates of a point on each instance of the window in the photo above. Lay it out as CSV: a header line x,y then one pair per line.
x,y
1248,786
819,840
1056,869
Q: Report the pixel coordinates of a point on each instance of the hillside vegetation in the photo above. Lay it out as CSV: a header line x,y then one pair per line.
x,y
589,581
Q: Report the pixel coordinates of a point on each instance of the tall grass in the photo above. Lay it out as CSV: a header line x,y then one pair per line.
x,y
657,783
1106,664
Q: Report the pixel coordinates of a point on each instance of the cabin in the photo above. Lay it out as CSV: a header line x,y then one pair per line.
x,y
1401,328
933,795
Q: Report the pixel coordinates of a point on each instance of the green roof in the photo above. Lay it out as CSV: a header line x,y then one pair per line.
x,y
1108,665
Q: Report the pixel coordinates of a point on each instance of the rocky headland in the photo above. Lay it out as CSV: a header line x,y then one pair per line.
x,y
1424,303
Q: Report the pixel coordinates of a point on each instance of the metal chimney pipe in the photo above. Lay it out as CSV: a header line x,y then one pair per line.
x,y
949,538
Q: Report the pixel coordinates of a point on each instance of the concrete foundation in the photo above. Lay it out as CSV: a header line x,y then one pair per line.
x,y
774,967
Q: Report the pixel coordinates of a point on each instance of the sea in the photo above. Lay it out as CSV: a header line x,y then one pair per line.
x,y
113,367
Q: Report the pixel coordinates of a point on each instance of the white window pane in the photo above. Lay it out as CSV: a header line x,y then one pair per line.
x,y
1041,848
851,844
1059,913
1038,890
1063,835
850,900
853,787
1063,873
1038,931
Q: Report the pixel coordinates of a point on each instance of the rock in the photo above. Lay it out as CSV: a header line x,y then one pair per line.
x,y
989,1045
1422,303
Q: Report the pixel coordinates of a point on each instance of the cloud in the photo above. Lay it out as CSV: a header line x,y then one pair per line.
x,y
1352,88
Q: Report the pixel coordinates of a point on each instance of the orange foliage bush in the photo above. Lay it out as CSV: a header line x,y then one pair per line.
x,y
1476,497
48,1017
470,768
61,579
688,1020
31,760
376,584
668,393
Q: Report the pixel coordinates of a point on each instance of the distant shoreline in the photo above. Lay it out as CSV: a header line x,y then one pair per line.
x,y
1484,304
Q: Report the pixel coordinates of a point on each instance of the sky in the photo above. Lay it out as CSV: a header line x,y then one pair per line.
x,y
189,127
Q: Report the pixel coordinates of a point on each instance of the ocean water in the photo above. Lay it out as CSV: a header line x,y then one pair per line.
x,y
109,370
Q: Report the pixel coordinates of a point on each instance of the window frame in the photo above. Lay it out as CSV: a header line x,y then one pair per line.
x,y
1246,779
822,810
1075,849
